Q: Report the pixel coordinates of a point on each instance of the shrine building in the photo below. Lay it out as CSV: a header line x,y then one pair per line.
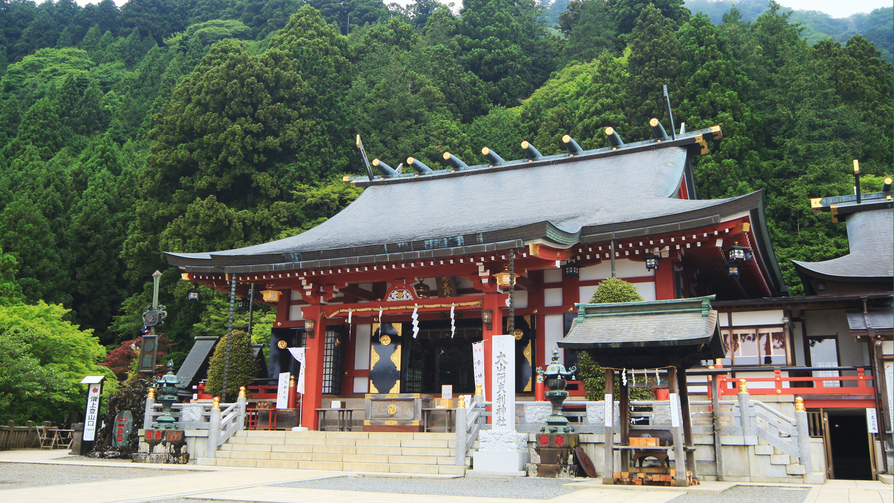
x,y
389,295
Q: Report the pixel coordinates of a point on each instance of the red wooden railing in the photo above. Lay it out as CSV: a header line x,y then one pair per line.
x,y
782,385
255,393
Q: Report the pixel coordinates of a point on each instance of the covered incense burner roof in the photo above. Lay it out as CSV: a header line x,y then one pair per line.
x,y
647,334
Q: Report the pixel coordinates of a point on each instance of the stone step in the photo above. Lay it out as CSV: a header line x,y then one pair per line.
x,y
764,450
796,469
375,452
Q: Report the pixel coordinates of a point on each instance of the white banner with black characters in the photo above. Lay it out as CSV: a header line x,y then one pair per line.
x,y
92,416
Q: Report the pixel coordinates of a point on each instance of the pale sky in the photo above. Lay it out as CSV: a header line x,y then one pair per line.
x,y
834,8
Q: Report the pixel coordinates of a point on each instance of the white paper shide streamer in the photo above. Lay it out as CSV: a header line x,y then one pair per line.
x,y
452,321
415,321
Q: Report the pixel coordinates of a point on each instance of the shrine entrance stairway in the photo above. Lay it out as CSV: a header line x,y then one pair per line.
x,y
377,452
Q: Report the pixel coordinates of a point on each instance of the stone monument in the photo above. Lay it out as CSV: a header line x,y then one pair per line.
x,y
502,450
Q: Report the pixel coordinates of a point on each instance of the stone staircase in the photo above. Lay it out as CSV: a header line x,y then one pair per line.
x,y
780,464
419,453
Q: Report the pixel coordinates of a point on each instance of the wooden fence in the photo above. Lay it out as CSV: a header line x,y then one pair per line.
x,y
18,437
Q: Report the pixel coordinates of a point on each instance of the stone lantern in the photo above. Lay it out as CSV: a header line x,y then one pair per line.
x,y
167,396
556,377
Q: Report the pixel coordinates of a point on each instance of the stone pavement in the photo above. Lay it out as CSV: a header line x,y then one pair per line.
x,y
187,482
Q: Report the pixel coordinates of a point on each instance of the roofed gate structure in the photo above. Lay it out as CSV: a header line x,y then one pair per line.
x,y
389,295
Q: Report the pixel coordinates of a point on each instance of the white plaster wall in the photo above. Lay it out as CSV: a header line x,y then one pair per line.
x,y
887,348
520,298
646,290
294,295
624,268
295,312
554,326
552,276
586,293
361,385
361,347
552,297
753,318
601,270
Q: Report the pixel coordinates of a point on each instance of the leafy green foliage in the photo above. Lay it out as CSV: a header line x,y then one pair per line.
x,y
614,290
241,369
44,358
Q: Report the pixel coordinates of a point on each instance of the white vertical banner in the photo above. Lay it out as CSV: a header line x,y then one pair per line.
x,y
889,379
298,354
92,415
502,381
675,410
871,421
478,365
282,390
609,410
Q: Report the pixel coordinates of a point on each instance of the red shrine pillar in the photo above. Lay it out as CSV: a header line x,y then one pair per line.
x,y
313,372
664,280
495,303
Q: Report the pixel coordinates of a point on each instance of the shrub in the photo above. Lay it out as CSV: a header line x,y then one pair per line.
x,y
242,368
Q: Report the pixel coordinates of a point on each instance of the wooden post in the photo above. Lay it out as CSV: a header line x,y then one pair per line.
x,y
687,420
715,405
676,424
624,427
608,476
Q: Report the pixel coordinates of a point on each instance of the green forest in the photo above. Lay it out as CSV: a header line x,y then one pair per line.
x,y
197,125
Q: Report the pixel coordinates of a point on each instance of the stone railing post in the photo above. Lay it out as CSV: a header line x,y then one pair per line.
x,y
242,405
462,427
150,408
214,428
748,426
803,435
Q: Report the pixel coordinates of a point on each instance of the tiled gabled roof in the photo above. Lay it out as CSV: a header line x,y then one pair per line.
x,y
560,200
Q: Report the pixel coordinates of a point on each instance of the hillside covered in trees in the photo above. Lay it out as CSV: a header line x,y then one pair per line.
x,y
194,125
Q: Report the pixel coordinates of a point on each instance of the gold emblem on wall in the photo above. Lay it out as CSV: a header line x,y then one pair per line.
x,y
392,409
282,344
518,334
374,358
384,340
527,354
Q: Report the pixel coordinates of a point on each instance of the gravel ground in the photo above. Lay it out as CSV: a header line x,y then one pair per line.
x,y
14,476
18,476
502,487
748,494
